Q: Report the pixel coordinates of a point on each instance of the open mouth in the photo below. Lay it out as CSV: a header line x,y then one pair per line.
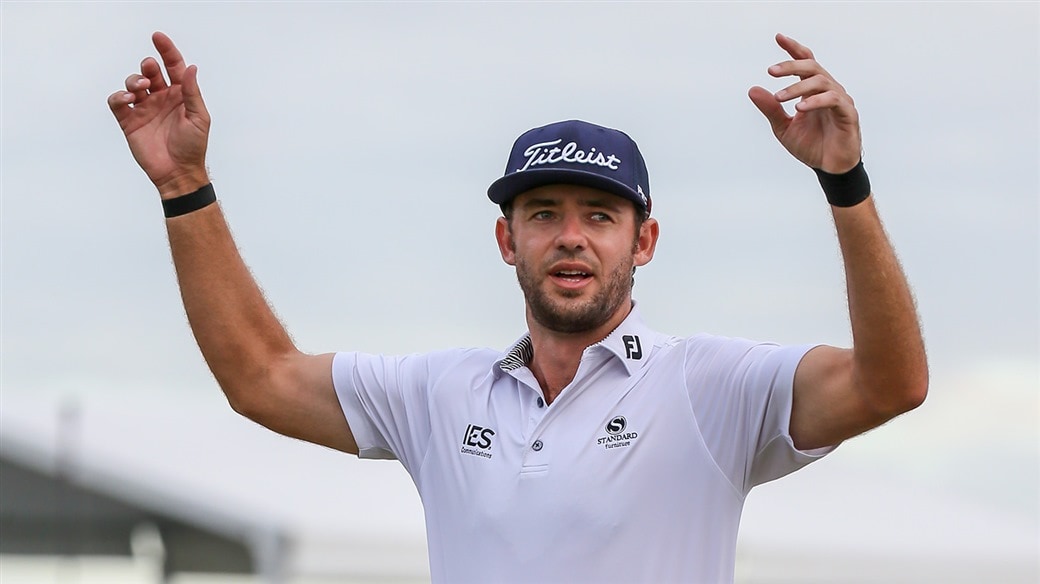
x,y
572,276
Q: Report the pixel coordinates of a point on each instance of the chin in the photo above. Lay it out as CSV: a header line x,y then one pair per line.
x,y
574,318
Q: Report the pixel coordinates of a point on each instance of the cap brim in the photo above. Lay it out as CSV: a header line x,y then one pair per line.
x,y
511,185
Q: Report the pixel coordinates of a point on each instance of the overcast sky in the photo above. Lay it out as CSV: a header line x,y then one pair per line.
x,y
352,146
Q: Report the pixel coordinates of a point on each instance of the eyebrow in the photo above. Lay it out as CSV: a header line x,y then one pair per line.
x,y
544,202
594,202
611,204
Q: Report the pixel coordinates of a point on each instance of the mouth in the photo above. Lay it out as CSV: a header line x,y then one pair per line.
x,y
570,277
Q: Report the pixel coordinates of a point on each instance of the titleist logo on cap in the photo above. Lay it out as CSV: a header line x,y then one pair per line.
x,y
562,153
541,154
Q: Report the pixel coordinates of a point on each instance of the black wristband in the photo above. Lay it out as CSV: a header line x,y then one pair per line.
x,y
845,190
185,204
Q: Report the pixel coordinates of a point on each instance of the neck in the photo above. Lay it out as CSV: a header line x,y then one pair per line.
x,y
557,355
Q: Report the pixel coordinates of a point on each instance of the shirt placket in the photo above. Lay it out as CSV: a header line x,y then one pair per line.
x,y
540,416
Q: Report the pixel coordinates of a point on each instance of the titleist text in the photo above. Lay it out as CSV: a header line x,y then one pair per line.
x,y
541,153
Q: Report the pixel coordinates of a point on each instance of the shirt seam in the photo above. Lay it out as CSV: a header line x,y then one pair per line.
x,y
741,496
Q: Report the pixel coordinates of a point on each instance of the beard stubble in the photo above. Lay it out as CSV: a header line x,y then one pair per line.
x,y
575,317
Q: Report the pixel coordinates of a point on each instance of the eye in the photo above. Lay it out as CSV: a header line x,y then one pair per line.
x,y
542,215
601,217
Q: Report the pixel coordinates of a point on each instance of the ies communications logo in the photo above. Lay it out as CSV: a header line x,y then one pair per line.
x,y
476,441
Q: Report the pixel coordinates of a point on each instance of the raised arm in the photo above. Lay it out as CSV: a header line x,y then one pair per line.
x,y
263,375
839,393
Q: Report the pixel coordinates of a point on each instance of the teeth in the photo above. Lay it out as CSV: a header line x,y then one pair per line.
x,y
571,273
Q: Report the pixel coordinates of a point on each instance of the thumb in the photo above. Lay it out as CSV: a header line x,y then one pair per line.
x,y
772,109
193,102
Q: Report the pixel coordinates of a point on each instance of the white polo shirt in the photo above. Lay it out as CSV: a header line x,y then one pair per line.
x,y
637,472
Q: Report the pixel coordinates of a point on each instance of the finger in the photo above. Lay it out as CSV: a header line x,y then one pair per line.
x,y
794,48
771,108
150,69
119,102
138,85
840,102
171,57
807,87
193,102
802,68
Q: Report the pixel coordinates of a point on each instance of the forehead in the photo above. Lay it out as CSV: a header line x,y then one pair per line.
x,y
560,194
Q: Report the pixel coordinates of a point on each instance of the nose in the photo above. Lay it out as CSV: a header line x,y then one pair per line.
x,y
572,233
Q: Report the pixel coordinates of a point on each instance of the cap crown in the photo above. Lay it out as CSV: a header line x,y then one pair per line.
x,y
575,152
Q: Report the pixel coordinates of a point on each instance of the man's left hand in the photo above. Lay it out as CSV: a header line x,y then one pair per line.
x,y
824,130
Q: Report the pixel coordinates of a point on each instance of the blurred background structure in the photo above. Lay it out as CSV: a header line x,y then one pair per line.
x,y
90,495
352,145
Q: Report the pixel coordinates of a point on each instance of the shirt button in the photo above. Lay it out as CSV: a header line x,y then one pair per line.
x,y
537,445
541,403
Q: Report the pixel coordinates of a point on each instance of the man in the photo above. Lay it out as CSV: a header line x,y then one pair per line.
x,y
594,449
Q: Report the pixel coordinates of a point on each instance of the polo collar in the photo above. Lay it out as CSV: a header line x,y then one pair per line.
x,y
631,343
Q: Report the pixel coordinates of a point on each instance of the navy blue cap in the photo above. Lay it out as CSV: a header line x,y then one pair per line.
x,y
579,153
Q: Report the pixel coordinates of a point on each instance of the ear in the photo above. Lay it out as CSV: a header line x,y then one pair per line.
x,y
505,241
646,243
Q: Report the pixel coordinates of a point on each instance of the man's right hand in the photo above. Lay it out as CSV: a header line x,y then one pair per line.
x,y
165,124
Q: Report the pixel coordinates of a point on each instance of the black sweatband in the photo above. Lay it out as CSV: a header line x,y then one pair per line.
x,y
845,190
185,204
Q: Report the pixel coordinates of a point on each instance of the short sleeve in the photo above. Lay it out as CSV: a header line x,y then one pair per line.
x,y
742,393
385,400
